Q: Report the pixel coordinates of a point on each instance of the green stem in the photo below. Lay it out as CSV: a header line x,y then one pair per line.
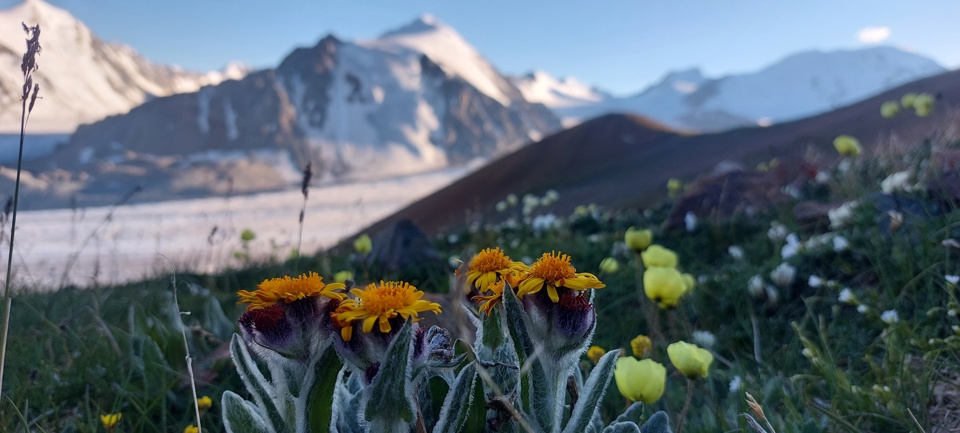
x,y
7,299
686,406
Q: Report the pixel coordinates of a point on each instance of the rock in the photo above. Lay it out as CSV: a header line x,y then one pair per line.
x,y
404,253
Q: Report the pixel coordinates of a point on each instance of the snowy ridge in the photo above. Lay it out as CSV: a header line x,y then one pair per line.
x,y
82,79
797,86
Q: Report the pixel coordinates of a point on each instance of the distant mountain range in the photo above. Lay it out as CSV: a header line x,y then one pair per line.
x,y
797,86
82,78
414,99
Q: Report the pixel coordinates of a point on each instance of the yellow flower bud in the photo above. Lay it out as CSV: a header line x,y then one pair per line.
x,y
110,420
609,265
191,429
657,255
907,100
204,402
663,285
847,145
923,104
595,353
363,244
342,276
642,380
688,282
889,109
641,346
674,186
690,359
638,240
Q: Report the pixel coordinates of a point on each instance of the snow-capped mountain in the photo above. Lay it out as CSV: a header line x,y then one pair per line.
x,y
563,95
797,86
415,99
82,78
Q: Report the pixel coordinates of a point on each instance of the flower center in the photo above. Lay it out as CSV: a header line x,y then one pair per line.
x,y
553,267
388,296
490,260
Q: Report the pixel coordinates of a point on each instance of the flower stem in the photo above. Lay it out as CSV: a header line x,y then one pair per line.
x,y
686,406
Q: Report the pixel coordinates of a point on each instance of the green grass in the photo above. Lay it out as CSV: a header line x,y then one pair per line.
x,y
75,354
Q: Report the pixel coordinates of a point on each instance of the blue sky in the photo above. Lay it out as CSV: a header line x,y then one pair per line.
x,y
619,45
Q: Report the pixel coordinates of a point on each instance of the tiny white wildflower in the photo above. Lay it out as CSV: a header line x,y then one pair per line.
x,y
735,384
950,243
890,317
807,353
735,252
772,294
822,177
846,296
862,309
501,206
840,243
453,238
777,232
899,181
952,279
952,312
755,286
844,165
842,215
792,247
512,199
783,275
956,329
551,195
690,220
704,339
814,281
545,222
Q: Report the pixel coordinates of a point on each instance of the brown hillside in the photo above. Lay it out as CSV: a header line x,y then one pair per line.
x,y
622,160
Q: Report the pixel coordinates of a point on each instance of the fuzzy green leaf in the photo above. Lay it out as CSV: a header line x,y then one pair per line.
x,y
459,399
241,416
538,400
320,405
658,423
633,414
592,393
622,427
256,383
389,399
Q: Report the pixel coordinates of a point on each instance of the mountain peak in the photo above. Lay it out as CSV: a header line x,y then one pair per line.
x,y
423,24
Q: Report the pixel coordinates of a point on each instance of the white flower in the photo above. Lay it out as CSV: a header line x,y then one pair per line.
x,y
735,383
704,339
822,177
952,312
952,279
844,165
899,181
777,232
890,317
544,222
501,206
512,199
846,296
690,219
814,281
551,195
842,215
807,353
792,247
862,309
736,252
755,286
772,294
840,243
783,275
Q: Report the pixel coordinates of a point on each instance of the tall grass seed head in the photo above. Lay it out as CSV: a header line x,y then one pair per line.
x,y
690,359
640,380
658,256
664,286
847,145
637,239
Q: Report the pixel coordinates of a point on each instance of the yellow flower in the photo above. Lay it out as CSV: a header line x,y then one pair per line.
x,y
342,276
609,265
642,380
923,104
380,303
595,353
204,402
490,300
688,282
674,186
191,429
889,109
663,285
641,346
110,420
553,271
907,100
690,359
638,240
847,145
657,255
490,265
288,289
363,244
